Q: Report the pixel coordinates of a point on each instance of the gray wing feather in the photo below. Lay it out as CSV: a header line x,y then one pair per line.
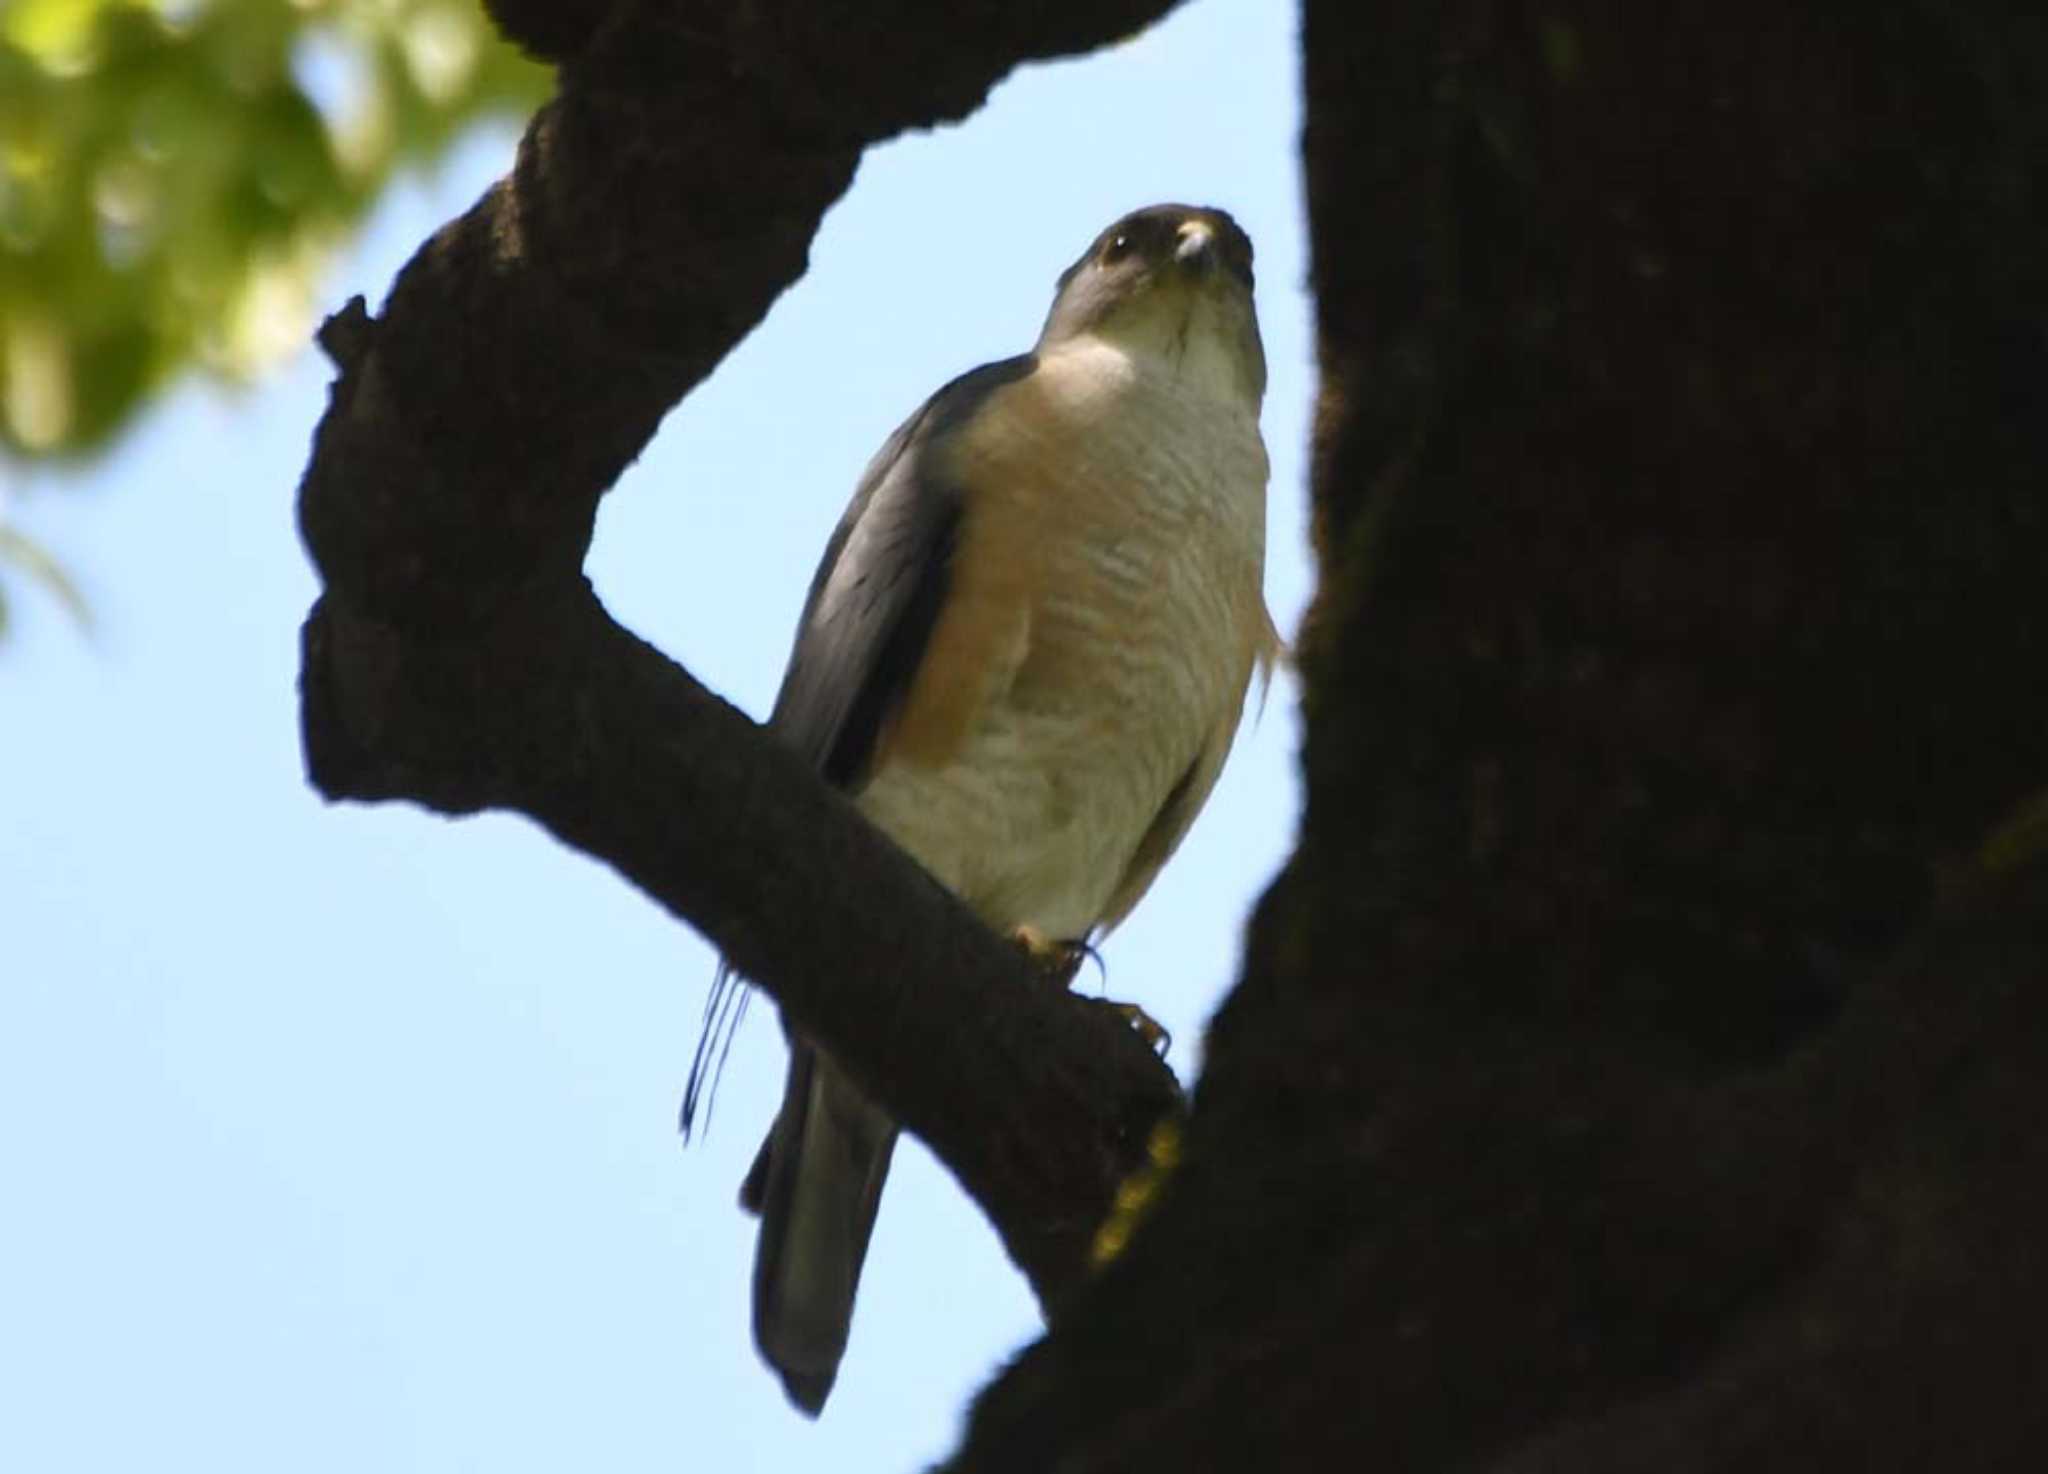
x,y
879,589
873,603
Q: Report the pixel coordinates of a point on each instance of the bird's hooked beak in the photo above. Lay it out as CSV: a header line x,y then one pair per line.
x,y
1196,245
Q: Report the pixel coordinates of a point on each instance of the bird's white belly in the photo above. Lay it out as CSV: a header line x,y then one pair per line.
x,y
1034,825
1140,645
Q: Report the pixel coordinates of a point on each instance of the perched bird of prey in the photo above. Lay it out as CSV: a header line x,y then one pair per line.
x,y
1025,654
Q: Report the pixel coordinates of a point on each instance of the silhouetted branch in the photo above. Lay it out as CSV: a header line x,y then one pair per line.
x,y
458,658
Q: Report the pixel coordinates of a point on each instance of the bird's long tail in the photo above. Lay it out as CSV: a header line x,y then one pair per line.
x,y
816,1184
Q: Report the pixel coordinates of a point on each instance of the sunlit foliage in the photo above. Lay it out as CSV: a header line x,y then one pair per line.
x,y
174,175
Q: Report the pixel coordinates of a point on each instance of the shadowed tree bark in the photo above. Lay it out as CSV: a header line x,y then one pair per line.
x,y
1634,1069
1635,1066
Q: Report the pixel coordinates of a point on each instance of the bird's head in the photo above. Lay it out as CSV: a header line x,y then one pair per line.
x,y
1172,282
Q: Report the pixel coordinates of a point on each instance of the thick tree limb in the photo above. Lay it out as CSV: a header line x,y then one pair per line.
x,y
458,658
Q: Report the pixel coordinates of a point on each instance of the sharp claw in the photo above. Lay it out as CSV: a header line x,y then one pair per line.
x,y
1056,961
1149,1029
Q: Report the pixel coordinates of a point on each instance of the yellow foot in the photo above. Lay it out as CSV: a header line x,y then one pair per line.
x,y
1056,962
1149,1029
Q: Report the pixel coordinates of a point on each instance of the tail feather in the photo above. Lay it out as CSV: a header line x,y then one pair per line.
x,y
724,1008
817,1185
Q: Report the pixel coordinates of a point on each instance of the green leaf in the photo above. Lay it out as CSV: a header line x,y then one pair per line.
x,y
175,178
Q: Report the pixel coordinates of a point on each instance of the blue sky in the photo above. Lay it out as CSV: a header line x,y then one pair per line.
x,y
342,1138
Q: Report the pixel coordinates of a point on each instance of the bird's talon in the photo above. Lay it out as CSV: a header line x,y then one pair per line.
x,y
1149,1029
1055,961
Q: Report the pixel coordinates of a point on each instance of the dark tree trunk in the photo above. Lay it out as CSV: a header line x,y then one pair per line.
x,y
1638,1065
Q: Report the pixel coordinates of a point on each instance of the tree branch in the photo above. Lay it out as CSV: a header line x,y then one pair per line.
x,y
458,658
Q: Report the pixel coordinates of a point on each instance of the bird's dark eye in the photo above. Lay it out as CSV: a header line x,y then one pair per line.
x,y
1119,247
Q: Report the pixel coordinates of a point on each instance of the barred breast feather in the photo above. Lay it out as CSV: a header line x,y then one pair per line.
x,y
1105,615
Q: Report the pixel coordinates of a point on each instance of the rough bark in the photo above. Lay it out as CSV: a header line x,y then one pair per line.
x,y
458,659
1636,1066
